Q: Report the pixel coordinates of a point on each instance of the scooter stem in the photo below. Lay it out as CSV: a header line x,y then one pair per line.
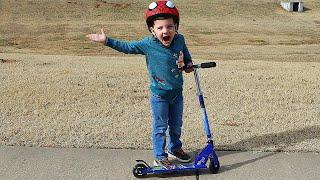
x,y
203,108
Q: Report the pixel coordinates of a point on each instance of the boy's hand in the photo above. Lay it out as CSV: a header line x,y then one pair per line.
x,y
180,62
189,68
97,37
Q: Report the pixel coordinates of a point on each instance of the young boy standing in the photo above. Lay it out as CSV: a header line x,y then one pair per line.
x,y
166,57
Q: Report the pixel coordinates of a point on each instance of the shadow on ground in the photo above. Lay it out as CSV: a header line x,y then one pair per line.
x,y
280,140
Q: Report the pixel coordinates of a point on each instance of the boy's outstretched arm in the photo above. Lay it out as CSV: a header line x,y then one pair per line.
x,y
129,47
101,38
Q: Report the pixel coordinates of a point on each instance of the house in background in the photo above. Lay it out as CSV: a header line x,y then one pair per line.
x,y
292,5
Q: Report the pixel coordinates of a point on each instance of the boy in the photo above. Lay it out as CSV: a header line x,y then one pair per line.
x,y
166,57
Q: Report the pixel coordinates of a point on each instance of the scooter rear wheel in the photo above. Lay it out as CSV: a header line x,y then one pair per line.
x,y
214,167
138,170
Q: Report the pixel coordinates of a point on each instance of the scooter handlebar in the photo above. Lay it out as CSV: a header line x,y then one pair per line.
x,y
205,65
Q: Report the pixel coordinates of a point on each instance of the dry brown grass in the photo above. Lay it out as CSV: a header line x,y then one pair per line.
x,y
262,96
49,27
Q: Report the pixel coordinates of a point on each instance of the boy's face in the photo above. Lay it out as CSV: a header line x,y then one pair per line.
x,y
164,30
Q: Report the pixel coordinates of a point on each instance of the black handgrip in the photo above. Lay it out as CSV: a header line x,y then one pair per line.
x,y
208,65
205,65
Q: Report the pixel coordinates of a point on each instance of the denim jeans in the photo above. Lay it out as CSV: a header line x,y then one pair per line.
x,y
166,114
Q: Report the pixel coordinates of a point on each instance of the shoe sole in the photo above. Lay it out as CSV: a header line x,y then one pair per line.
x,y
180,160
156,164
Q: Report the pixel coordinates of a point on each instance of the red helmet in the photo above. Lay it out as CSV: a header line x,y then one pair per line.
x,y
161,8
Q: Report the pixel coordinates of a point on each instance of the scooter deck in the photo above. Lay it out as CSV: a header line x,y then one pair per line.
x,y
175,168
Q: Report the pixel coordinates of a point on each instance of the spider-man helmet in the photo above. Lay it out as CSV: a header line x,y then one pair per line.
x,y
162,8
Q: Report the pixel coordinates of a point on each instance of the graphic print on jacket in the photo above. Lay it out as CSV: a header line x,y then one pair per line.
x,y
165,73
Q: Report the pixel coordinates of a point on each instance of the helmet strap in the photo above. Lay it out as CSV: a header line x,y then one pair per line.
x,y
176,27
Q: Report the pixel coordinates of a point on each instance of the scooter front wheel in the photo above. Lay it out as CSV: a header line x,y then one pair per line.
x,y
138,170
214,166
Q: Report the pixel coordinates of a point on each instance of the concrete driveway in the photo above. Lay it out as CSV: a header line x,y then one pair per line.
x,y
59,163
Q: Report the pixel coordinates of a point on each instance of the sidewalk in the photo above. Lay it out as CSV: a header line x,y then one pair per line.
x,y
54,163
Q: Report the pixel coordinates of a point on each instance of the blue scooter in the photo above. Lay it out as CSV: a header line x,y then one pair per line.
x,y
142,169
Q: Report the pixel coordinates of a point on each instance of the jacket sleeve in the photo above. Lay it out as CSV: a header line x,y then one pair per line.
x,y
129,47
187,57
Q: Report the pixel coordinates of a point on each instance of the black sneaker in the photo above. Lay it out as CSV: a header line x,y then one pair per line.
x,y
165,163
180,156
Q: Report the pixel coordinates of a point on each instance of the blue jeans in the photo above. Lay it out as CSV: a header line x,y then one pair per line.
x,y
166,114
